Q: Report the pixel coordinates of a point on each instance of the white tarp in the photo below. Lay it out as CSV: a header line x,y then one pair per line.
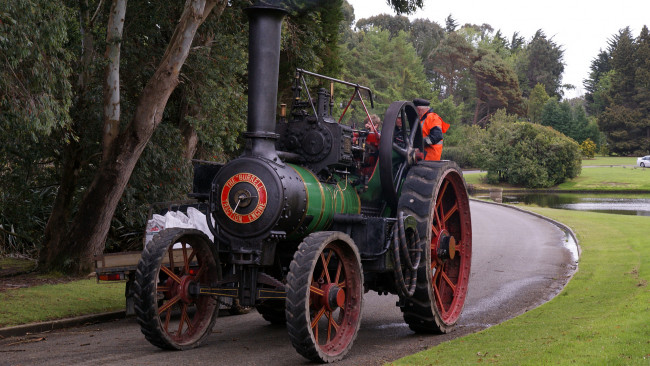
x,y
194,219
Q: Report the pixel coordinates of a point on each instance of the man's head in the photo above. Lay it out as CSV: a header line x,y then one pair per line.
x,y
422,106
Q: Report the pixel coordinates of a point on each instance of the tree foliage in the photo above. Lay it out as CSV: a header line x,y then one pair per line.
x,y
618,92
372,63
543,64
497,87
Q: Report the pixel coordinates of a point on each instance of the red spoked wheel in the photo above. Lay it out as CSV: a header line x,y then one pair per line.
x,y
324,296
172,312
435,194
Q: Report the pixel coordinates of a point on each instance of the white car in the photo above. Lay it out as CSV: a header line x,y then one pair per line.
x,y
644,161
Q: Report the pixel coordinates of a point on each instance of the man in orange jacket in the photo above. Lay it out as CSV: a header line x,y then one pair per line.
x,y
432,129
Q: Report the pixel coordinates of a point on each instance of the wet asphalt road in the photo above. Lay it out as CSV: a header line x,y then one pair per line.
x,y
519,262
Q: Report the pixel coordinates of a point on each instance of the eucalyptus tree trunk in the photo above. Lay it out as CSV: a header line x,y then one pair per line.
x,y
73,252
112,81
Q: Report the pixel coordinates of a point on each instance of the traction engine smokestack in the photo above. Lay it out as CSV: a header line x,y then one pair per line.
x,y
265,25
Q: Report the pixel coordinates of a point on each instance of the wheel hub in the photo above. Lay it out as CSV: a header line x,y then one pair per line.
x,y
333,298
446,248
183,289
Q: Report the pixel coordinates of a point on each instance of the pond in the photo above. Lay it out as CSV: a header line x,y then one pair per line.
x,y
622,204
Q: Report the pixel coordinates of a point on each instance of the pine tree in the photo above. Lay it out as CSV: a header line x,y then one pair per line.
x,y
642,84
450,24
544,65
623,61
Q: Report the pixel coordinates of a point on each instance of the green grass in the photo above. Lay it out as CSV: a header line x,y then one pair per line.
x,y
610,178
615,178
48,302
609,160
600,318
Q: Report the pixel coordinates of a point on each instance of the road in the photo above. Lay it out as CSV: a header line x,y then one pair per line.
x,y
519,262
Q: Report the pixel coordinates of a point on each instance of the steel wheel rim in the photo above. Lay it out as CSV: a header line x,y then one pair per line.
x,y
183,313
450,274
332,330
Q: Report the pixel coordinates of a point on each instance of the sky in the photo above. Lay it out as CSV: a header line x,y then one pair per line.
x,y
580,27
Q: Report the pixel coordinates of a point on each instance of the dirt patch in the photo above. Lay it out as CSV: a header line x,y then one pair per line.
x,y
24,280
19,273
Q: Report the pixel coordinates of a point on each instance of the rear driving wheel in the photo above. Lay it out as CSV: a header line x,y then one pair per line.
x,y
172,312
435,194
324,296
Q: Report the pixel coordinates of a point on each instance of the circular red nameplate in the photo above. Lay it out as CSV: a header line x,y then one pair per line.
x,y
258,192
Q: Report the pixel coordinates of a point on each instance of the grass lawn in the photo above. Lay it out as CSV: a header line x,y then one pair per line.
x,y
48,302
609,160
600,318
604,178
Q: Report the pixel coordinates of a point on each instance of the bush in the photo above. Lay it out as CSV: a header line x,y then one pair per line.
x,y
588,148
527,155
458,155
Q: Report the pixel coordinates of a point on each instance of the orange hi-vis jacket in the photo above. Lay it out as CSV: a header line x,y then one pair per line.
x,y
431,121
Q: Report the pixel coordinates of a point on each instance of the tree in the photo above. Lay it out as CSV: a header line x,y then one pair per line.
x,y
35,96
544,65
536,102
496,87
642,81
393,24
405,6
625,130
72,250
623,61
450,24
451,60
557,115
372,63
600,67
622,94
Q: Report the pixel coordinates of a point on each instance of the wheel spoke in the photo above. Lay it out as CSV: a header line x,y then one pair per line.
x,y
170,253
338,272
451,211
168,317
331,323
439,300
449,282
186,265
325,263
182,320
314,322
169,304
442,193
317,291
171,274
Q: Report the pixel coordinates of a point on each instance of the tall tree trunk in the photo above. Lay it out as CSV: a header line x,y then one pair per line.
x,y
92,222
190,137
112,81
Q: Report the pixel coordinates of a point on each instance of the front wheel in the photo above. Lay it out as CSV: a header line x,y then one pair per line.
x,y
172,312
324,296
434,193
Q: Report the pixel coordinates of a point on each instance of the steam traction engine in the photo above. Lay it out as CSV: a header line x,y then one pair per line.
x,y
311,216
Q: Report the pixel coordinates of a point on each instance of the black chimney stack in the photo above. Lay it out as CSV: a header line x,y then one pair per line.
x,y
265,26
